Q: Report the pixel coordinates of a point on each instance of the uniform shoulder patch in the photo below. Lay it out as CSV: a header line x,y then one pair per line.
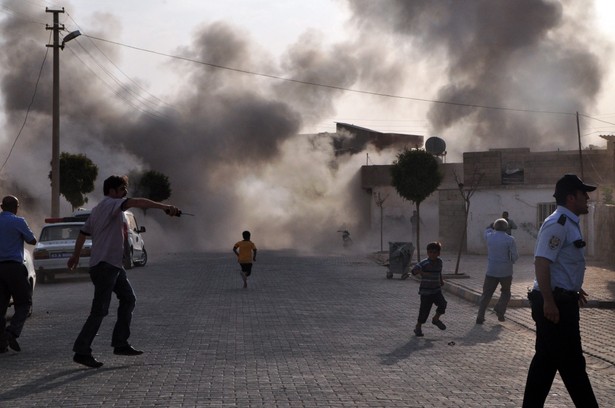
x,y
554,242
562,219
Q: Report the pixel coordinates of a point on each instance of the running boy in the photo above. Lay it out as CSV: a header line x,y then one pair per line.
x,y
246,254
430,270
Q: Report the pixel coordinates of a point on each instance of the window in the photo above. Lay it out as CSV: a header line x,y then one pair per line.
x,y
544,210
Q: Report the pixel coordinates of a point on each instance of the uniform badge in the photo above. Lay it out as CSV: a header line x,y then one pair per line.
x,y
554,242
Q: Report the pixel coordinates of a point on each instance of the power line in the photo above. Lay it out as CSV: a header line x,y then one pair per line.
x,y
136,83
596,119
339,88
29,107
118,94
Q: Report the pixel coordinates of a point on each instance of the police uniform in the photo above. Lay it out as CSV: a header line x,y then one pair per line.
x,y
558,345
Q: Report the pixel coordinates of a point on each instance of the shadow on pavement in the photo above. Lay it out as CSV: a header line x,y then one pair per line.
x,y
53,380
403,352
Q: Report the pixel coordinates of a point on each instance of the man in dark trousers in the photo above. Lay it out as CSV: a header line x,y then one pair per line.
x,y
14,231
105,226
555,299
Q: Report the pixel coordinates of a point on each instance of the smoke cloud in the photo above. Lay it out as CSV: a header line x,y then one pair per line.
x,y
525,54
231,143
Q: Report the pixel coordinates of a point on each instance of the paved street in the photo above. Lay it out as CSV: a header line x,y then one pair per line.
x,y
310,331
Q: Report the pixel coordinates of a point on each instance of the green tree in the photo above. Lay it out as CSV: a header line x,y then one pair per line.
x,y
77,176
153,185
415,176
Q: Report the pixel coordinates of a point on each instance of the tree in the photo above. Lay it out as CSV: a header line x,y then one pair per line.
x,y
466,193
153,185
415,176
77,176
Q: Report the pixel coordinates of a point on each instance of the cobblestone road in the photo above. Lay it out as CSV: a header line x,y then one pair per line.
x,y
310,331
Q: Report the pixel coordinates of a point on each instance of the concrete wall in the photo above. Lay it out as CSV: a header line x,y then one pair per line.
x,y
522,207
603,236
500,189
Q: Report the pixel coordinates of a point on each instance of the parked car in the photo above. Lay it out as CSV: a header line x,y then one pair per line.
x,y
134,246
30,267
55,245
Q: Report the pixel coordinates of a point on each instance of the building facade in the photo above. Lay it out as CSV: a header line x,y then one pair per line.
x,y
515,180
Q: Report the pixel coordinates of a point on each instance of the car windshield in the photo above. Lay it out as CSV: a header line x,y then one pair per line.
x,y
60,232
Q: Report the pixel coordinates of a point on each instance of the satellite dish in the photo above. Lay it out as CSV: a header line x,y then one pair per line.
x,y
435,146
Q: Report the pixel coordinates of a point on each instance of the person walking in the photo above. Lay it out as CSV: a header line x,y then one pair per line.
x,y
105,226
555,299
501,255
511,223
14,231
246,255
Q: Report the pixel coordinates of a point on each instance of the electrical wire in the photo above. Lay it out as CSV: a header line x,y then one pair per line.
x,y
335,87
118,94
40,72
136,83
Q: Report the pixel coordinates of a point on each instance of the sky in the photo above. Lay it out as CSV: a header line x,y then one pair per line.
x,y
137,95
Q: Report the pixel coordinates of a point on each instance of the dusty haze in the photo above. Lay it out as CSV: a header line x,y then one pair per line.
x,y
231,143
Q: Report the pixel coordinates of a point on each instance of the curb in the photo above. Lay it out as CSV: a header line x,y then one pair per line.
x,y
474,297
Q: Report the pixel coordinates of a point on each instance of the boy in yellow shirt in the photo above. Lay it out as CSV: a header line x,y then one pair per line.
x,y
246,254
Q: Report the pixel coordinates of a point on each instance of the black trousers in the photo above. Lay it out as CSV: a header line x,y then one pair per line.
x,y
14,282
558,348
427,301
107,280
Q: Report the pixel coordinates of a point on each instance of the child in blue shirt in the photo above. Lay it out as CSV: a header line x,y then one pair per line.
x,y
430,271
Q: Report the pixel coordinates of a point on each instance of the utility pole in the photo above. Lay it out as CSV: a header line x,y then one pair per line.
x,y
55,130
580,148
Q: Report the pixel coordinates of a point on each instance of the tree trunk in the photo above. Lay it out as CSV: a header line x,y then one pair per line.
x,y
463,236
418,232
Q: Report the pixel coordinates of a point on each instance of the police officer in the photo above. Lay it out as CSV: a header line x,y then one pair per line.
x,y
13,273
560,267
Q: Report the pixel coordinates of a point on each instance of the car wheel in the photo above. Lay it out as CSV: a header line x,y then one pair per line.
x,y
143,260
41,276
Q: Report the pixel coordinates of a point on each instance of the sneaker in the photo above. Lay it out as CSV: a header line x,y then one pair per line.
x,y
480,320
418,333
12,341
127,351
501,317
439,323
87,360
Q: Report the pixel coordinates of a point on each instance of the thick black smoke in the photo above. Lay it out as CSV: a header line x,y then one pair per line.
x,y
525,54
230,142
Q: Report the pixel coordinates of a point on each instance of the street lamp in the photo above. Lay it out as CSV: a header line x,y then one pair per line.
x,y
55,134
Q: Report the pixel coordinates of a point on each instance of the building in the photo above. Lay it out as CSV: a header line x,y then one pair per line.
x,y
515,180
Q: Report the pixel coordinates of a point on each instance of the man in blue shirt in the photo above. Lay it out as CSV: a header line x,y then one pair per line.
x,y
14,231
502,254
560,268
